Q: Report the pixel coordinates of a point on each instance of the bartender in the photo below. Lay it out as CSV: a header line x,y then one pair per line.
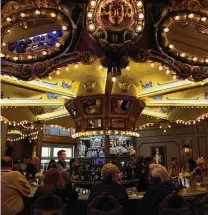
x,y
61,163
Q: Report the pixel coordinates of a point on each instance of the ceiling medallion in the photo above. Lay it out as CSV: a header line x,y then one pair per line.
x,y
115,22
115,25
21,24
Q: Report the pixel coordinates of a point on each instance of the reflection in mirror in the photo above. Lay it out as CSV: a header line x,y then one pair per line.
x,y
92,106
94,123
120,106
33,36
183,36
117,123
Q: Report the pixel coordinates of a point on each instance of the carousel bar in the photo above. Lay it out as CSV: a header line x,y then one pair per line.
x,y
104,107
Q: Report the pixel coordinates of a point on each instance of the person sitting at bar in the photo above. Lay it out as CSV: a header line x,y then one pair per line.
x,y
13,187
110,184
160,187
54,183
61,163
30,171
143,183
52,164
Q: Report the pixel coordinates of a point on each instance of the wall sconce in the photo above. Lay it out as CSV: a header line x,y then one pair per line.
x,y
187,150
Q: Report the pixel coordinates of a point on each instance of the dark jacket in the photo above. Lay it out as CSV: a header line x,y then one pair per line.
x,y
61,165
67,193
113,189
143,174
152,199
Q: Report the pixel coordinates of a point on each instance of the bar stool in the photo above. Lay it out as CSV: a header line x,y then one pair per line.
x,y
105,205
48,204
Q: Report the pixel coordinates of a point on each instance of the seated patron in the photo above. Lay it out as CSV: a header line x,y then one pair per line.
x,y
160,187
110,184
13,187
54,183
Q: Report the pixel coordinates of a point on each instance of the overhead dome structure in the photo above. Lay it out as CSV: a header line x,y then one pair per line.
x,y
95,65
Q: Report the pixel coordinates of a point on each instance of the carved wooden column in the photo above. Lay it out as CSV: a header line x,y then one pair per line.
x,y
107,145
4,127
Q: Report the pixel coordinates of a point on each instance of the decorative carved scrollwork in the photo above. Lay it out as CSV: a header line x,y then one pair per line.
x,y
42,69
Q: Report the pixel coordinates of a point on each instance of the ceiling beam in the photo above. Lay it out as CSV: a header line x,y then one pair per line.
x,y
30,102
171,87
55,114
37,85
154,113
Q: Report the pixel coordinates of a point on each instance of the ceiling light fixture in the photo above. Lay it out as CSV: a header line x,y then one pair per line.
x,y
22,15
91,27
37,12
139,4
53,15
138,28
141,16
166,29
44,52
64,28
8,19
171,46
92,3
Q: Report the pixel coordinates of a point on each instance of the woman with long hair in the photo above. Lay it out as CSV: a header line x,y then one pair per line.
x,y
54,183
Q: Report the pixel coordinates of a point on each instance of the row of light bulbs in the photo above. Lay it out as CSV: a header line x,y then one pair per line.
x,y
13,123
58,72
184,17
167,71
44,52
190,122
20,138
106,132
61,127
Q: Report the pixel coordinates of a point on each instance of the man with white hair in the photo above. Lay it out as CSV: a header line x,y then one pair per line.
x,y
160,187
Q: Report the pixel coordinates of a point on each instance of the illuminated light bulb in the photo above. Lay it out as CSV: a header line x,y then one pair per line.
x,y
76,65
138,28
160,68
164,130
3,44
22,15
58,45
89,15
195,59
58,72
37,12
177,18
191,15
92,3
174,76
114,79
204,19
2,55
54,32
53,15
91,27
166,30
206,60
167,72
171,46
202,83
182,54
15,58
64,28
44,52
141,16
100,67
139,4
67,69
29,57
8,19
128,68
9,31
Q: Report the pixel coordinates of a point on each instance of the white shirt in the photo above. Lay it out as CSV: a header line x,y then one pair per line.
x,y
13,186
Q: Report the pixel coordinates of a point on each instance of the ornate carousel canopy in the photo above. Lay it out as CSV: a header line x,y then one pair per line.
x,y
98,65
